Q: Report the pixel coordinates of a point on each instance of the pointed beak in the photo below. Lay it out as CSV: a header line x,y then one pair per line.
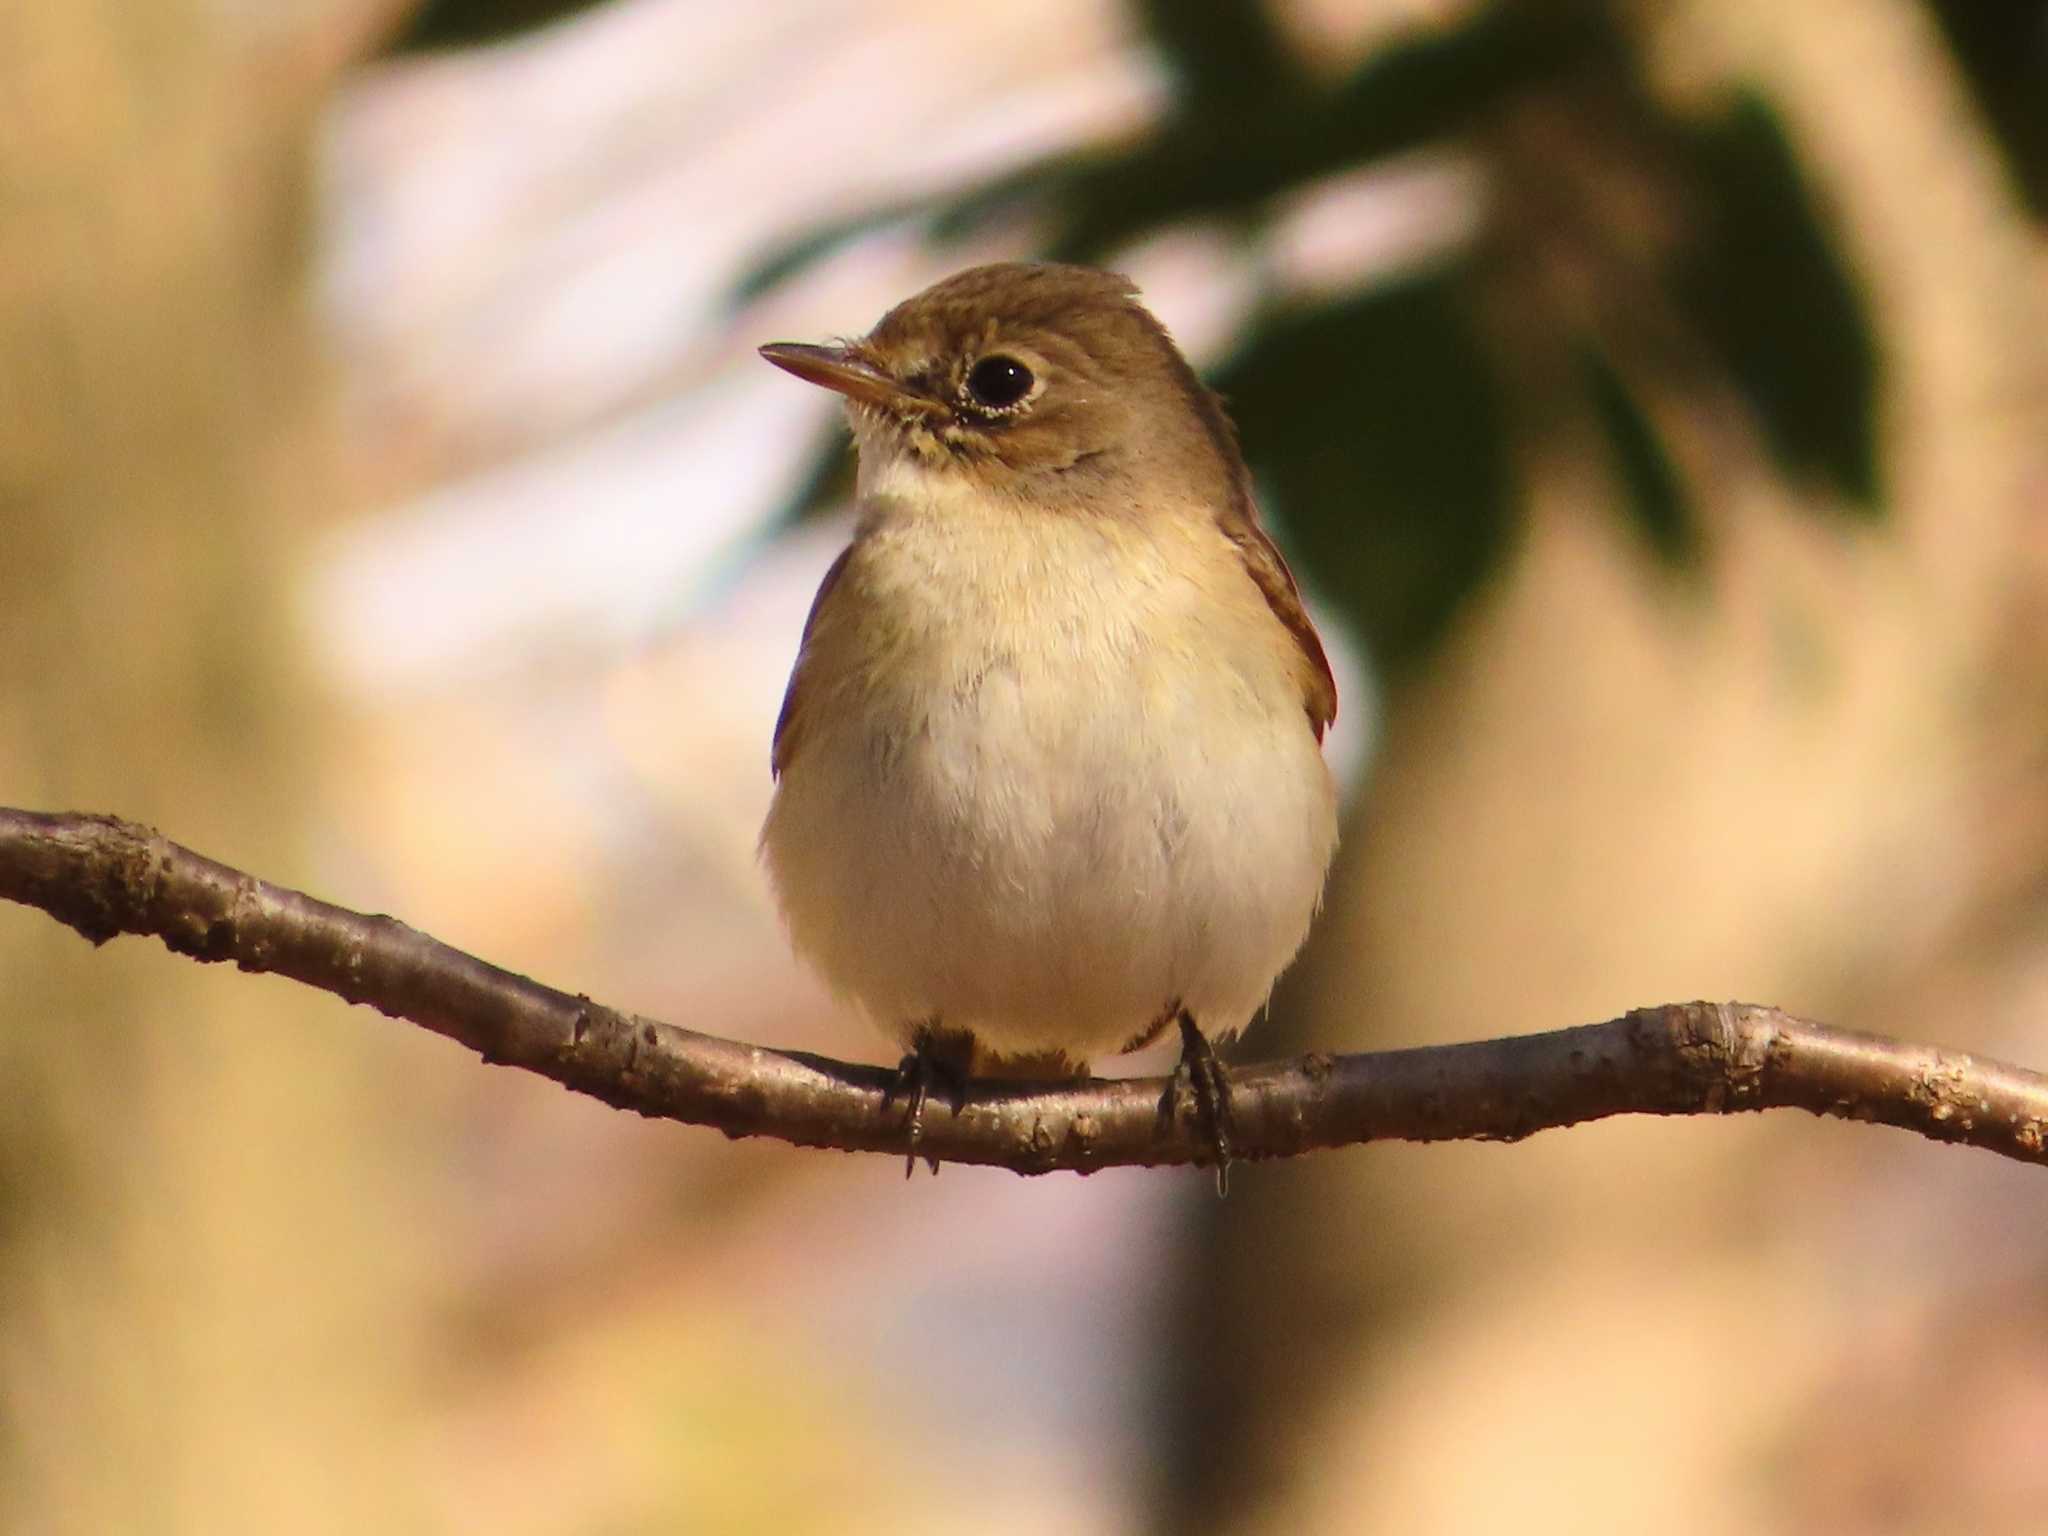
x,y
843,370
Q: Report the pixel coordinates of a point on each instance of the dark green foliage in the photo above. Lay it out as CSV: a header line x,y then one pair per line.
x,y
1223,53
1656,497
2002,46
1230,159
1375,427
1437,85
788,260
436,24
828,478
1770,293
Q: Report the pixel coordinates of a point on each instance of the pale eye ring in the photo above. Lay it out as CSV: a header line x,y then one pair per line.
x,y
999,382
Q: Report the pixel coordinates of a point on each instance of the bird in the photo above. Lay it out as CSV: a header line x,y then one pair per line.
x,y
1048,773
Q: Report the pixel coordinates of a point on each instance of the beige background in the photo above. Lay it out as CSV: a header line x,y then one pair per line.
x,y
381,487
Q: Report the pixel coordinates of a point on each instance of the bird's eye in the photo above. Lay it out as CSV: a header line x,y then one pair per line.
x,y
998,382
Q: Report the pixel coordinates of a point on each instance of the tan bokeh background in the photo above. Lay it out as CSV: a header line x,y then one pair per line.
x,y
356,527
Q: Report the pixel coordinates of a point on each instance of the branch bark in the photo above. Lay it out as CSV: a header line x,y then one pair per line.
x,y
103,877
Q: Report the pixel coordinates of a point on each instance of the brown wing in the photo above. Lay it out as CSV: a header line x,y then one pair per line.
x,y
1276,582
785,739
1240,523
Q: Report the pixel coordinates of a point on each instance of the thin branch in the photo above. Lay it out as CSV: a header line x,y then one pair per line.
x,y
105,877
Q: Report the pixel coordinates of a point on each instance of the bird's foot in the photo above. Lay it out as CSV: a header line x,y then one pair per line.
x,y
1202,1077
940,1061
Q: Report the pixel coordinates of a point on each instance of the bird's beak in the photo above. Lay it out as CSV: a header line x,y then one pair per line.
x,y
843,370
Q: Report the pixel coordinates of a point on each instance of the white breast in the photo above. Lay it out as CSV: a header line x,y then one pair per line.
x,y
1054,777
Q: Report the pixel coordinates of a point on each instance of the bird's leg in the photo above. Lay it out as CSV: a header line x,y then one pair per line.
x,y
938,1060
1201,1075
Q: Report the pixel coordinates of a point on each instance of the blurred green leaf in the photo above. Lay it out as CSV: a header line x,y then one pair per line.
x,y
441,24
782,262
946,218
1423,87
1224,54
1657,500
1770,292
1435,84
1376,431
828,479
2002,46
1045,183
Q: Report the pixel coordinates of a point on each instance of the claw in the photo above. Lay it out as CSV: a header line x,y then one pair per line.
x,y
1201,1076
938,1061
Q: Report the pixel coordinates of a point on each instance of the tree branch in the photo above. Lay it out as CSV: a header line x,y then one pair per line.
x,y
104,877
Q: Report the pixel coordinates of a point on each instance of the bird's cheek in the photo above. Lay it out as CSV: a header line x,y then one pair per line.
x,y
1057,443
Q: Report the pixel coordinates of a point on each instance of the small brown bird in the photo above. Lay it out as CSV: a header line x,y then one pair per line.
x,y
1049,769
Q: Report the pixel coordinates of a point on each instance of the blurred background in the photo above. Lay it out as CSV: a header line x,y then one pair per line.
x,y
1654,401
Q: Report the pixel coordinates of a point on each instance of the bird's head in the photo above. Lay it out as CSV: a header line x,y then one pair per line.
x,y
1029,378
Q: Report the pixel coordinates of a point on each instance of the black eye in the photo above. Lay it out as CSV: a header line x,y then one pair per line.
x,y
998,382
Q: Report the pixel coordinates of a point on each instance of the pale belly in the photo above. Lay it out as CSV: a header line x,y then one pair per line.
x,y
1050,845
